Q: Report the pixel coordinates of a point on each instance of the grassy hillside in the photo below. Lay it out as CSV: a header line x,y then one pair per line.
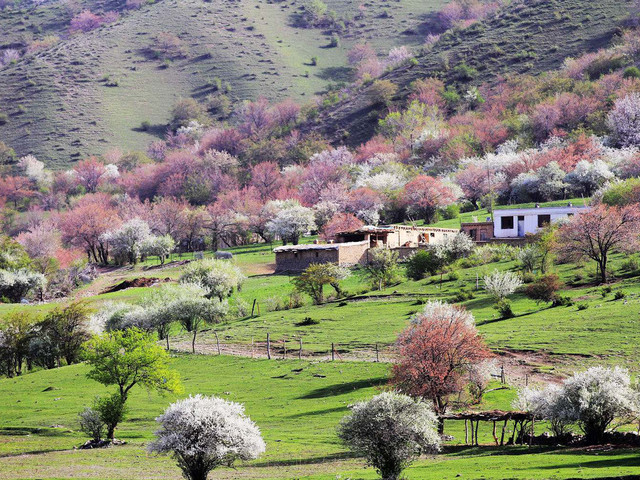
x,y
64,104
525,38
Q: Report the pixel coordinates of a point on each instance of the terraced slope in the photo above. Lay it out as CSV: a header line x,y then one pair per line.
x,y
525,39
62,108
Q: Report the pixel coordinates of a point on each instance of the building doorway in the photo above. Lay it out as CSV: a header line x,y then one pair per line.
x,y
521,226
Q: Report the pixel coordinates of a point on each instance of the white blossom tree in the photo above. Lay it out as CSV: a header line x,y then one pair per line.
x,y
624,120
291,222
501,284
218,277
127,241
390,431
204,433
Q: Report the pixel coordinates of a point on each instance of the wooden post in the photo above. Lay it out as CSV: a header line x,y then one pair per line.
x,y
377,354
495,437
502,376
284,347
253,307
526,380
300,350
477,423
333,352
533,431
466,432
217,341
504,428
477,281
269,346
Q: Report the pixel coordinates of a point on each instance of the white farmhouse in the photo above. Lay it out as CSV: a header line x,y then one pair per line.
x,y
518,222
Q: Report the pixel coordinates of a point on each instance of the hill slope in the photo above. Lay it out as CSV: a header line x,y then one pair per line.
x,y
61,109
522,39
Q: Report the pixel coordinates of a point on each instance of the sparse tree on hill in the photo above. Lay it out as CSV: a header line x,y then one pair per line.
x,y
390,431
597,233
224,435
219,277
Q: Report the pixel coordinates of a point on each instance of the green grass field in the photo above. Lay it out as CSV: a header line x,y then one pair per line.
x,y
296,404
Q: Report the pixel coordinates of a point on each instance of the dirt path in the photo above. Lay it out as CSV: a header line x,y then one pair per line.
x,y
521,368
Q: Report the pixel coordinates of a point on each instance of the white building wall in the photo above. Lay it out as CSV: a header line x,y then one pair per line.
x,y
530,219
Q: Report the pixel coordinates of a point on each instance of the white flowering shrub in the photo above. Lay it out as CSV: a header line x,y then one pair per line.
x,y
597,397
158,246
218,277
390,431
17,284
203,433
501,284
593,399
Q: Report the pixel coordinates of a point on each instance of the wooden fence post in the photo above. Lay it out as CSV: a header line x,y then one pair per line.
x,y
251,347
333,352
466,431
253,307
269,346
217,341
502,376
377,354
300,350
284,347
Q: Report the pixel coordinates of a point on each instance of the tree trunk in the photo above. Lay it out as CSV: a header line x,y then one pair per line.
x,y
193,342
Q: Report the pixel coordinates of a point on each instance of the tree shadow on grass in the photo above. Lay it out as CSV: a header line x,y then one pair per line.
x,y
342,388
307,461
319,412
633,460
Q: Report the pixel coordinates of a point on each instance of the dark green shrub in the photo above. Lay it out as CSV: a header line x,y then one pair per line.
x,y
544,289
562,301
308,321
4,118
422,264
631,72
504,308
605,291
619,295
451,212
583,306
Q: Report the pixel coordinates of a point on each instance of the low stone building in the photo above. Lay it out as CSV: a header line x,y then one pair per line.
x,y
352,247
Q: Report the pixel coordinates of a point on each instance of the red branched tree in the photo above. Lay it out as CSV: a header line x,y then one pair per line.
x,y
341,222
436,351
424,195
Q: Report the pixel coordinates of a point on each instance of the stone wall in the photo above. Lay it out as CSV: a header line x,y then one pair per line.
x,y
353,254
478,231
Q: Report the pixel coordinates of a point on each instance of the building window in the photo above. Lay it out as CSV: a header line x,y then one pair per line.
x,y
432,234
317,254
543,220
506,223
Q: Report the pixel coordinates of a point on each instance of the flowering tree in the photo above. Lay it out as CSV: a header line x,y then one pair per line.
x,y
218,277
624,120
598,232
424,195
89,173
224,434
593,399
501,284
435,351
127,242
15,189
390,431
266,179
340,222
291,222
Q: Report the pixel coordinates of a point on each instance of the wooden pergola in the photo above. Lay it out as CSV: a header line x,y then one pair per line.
x,y
520,420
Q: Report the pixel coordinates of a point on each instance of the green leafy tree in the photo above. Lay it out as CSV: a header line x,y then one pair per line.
x,y
316,276
126,358
67,329
382,268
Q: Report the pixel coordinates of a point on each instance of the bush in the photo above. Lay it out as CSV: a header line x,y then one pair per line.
x,y
451,212
422,264
91,424
504,309
4,118
308,321
631,265
544,289
465,73
453,276
631,72
619,295
111,410
562,301
583,306
382,91
463,295
605,291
